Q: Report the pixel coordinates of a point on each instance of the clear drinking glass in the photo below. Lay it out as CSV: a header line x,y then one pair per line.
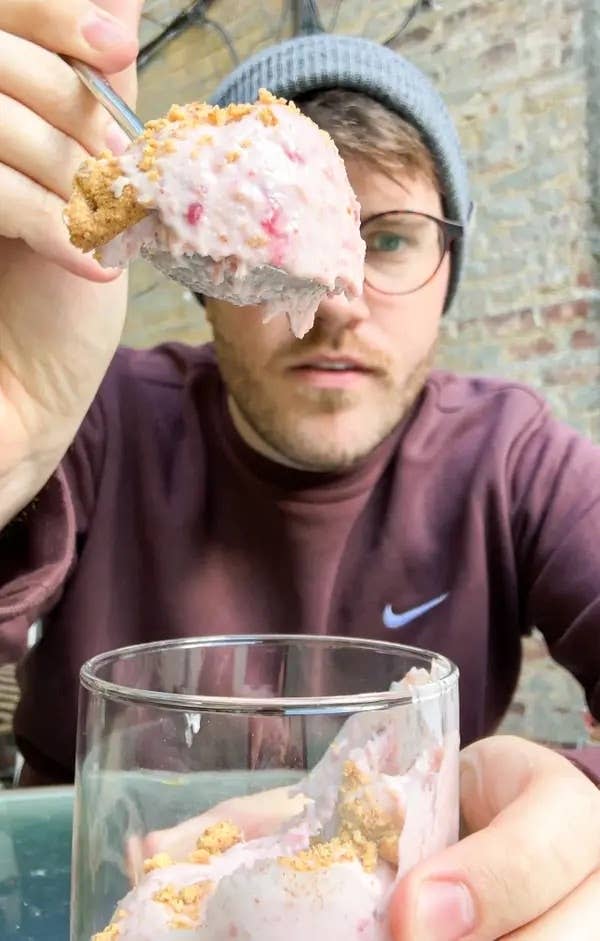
x,y
251,787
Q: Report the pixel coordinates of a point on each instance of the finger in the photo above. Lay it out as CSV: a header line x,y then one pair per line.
x,y
256,815
577,917
37,149
32,213
74,27
540,838
496,771
127,12
57,95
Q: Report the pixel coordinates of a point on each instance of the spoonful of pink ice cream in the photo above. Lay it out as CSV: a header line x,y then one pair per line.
x,y
250,203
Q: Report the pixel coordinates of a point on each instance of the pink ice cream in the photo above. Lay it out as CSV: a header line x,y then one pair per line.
x,y
384,796
252,895
251,203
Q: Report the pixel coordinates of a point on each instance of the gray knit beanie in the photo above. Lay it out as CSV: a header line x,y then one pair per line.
x,y
322,61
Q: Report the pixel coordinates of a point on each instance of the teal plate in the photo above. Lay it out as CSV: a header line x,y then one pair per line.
x,y
36,828
35,863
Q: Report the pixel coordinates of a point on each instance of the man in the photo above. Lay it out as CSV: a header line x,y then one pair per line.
x,y
333,485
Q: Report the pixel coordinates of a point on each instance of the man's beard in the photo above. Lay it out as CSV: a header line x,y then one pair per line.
x,y
281,427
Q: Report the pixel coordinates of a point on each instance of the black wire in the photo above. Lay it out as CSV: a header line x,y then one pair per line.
x,y
148,51
170,31
333,22
307,20
191,15
417,7
224,36
195,14
285,12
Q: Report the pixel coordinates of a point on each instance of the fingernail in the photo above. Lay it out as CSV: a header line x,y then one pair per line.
x,y
116,139
445,911
103,32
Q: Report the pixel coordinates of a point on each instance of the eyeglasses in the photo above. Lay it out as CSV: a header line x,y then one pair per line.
x,y
405,249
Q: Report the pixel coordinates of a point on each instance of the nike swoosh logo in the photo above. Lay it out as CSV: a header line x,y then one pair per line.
x,y
393,620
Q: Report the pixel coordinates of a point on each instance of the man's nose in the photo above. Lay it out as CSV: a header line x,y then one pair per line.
x,y
336,312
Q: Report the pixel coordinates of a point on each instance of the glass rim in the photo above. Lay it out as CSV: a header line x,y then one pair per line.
x,y
276,705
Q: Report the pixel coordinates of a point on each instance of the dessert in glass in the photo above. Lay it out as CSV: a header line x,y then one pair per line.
x,y
258,787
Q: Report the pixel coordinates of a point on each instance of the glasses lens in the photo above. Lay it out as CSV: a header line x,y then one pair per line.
x,y
404,250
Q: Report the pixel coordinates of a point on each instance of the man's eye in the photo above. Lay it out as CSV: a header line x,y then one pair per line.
x,y
385,242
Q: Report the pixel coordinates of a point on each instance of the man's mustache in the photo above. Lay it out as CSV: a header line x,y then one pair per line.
x,y
320,342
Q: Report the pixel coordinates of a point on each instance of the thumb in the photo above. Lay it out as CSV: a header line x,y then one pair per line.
x,y
129,13
524,809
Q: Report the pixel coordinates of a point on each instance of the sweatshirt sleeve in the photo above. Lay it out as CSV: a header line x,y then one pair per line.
x,y
555,495
586,759
38,548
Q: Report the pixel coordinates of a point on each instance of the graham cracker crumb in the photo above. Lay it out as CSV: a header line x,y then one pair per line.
x,y
181,922
373,831
388,848
235,112
366,832
368,855
94,215
268,118
365,850
320,856
158,861
217,117
176,113
108,934
199,856
216,840
185,903
268,98
220,837
352,777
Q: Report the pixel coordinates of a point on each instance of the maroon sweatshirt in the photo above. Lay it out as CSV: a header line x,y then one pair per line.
x,y
478,518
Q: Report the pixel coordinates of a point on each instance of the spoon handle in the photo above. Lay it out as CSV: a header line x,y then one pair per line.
x,y
103,91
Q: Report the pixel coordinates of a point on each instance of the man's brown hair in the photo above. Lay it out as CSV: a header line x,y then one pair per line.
x,y
364,128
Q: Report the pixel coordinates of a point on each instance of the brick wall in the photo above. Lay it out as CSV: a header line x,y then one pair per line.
x,y
522,97
523,83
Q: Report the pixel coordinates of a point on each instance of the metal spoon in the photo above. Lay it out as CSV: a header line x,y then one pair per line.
x,y
103,91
